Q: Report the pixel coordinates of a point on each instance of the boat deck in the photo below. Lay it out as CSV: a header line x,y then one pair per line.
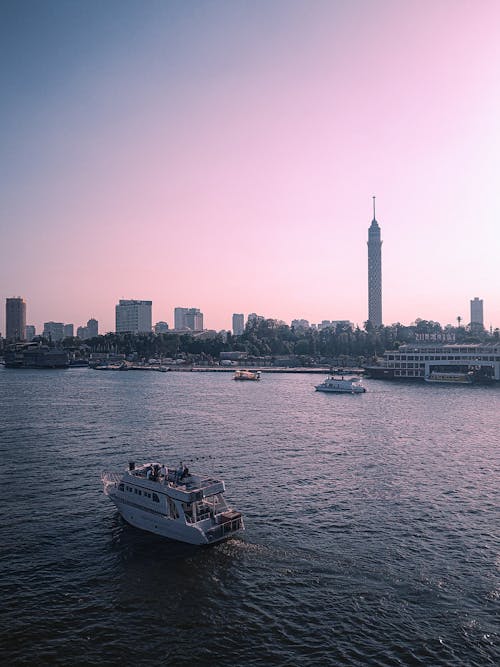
x,y
190,484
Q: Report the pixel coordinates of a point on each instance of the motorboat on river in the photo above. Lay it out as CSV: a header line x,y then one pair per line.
x,y
341,385
243,374
173,503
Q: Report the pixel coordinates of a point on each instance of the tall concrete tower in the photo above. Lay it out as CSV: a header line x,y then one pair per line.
x,y
15,318
476,314
374,272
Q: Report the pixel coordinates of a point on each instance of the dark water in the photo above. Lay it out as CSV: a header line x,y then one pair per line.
x,y
372,523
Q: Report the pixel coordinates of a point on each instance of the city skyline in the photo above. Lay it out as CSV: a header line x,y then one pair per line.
x,y
218,164
137,318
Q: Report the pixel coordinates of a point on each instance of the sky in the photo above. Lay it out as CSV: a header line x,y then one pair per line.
x,y
223,155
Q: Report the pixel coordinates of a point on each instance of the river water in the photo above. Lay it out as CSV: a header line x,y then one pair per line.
x,y
372,522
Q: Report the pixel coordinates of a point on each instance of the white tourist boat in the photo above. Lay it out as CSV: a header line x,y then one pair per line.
x,y
341,385
244,374
173,503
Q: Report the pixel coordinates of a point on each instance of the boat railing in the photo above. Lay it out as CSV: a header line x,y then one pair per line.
x,y
225,527
110,480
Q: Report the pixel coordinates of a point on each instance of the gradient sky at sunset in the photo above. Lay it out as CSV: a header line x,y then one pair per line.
x,y
223,155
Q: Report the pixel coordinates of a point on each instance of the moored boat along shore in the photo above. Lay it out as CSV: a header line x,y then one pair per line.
x,y
225,369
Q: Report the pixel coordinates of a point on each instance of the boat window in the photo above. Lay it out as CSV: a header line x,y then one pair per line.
x,y
121,487
155,498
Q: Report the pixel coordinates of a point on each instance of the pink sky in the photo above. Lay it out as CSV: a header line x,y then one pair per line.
x,y
223,156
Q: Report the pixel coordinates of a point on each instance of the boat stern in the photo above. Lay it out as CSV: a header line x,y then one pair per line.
x,y
227,523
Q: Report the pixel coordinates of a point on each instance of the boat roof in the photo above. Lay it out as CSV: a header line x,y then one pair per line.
x,y
193,487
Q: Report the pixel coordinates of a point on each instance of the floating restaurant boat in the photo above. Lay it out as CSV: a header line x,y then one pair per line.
x,y
341,385
243,374
419,361
34,355
173,503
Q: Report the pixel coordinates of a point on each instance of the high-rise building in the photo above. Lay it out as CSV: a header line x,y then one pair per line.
x,y
30,332
238,324
179,315
90,331
68,331
476,313
194,319
374,273
188,318
15,318
92,328
54,331
133,316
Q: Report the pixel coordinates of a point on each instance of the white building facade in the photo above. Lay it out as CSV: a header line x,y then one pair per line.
x,y
188,318
133,316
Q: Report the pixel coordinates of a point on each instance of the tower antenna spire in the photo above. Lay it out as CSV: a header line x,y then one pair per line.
x,y
373,206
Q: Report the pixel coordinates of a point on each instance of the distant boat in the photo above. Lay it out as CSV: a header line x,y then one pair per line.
x,y
450,378
34,355
341,385
79,363
244,374
173,503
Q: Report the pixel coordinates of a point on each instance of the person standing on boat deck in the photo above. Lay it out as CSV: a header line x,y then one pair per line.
x,y
179,472
148,473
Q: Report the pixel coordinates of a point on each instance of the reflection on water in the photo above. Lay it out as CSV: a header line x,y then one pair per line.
x,y
372,522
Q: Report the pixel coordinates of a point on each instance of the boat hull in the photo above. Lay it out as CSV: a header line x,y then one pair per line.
x,y
161,525
326,390
333,385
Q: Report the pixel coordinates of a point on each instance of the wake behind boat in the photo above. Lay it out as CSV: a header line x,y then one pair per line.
x,y
341,385
173,503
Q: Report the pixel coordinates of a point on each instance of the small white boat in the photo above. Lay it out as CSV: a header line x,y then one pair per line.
x,y
341,385
173,503
243,374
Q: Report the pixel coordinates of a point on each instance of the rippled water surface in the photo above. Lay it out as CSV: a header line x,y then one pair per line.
x,y
372,523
